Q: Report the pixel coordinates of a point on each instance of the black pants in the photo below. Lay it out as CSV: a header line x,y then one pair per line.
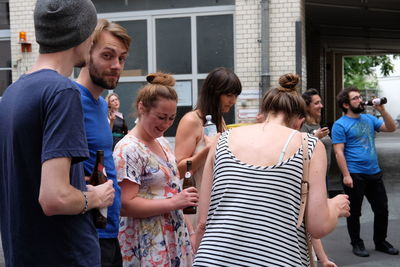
x,y
110,252
372,187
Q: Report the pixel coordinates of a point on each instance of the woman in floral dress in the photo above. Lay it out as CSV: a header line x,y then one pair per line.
x,y
152,229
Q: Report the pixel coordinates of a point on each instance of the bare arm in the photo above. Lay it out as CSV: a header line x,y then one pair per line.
x,y
57,196
321,213
389,125
188,134
341,161
137,207
322,257
205,194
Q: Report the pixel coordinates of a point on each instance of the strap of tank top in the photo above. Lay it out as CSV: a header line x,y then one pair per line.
x,y
285,146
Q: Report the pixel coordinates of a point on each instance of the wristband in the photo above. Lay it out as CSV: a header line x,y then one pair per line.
x,y
86,207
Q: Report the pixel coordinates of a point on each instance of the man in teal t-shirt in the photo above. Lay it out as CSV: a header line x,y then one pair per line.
x,y
353,138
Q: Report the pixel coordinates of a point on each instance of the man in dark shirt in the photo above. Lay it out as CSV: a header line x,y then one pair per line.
x,y
43,196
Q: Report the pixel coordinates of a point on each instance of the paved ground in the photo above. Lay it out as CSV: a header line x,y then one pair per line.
x,y
337,243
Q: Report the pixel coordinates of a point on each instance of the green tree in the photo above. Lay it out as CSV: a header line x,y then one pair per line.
x,y
359,71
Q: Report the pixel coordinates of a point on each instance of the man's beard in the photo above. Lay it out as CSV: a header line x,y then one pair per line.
x,y
98,80
357,110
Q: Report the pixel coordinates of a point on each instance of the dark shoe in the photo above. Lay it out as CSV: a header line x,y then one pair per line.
x,y
386,247
359,250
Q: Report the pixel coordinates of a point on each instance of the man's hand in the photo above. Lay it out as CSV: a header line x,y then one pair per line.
x,y
104,193
348,181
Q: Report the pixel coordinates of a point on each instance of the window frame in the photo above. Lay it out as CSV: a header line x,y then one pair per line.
x,y
151,16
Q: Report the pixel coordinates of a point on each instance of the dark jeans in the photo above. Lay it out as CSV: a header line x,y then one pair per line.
x,y
110,252
372,187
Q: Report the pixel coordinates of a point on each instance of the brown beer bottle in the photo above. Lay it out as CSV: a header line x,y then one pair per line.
x,y
99,177
189,181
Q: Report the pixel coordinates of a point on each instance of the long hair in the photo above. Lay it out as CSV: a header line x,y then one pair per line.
x,y
219,81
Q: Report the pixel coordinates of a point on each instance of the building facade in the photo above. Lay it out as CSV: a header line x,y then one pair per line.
x,y
259,40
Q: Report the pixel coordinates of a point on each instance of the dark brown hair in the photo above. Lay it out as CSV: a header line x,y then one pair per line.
x,y
343,97
160,86
220,81
285,99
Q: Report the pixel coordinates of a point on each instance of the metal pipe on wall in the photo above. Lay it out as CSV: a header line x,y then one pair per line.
x,y
265,67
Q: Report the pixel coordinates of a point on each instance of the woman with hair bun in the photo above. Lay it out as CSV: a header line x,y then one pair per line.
x,y
250,195
152,229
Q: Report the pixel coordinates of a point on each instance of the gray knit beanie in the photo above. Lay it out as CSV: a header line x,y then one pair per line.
x,y
62,24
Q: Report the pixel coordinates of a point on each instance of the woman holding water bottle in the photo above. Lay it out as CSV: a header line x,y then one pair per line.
x,y
217,96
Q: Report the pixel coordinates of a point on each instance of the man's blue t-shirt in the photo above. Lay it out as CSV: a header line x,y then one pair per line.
x,y
41,118
99,137
358,137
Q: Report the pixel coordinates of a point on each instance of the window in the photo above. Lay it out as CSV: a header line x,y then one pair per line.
x,y
5,47
184,37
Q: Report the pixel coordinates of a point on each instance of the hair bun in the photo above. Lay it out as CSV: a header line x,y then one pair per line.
x,y
161,78
289,81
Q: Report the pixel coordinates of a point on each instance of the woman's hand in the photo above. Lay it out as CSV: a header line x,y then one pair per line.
x,y
187,198
111,115
341,204
328,263
209,140
321,132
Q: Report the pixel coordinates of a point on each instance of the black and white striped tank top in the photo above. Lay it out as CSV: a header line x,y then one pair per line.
x,y
253,213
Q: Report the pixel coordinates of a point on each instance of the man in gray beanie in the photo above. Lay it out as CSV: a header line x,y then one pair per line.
x,y
44,200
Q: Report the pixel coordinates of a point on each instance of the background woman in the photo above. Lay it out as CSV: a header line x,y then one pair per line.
x,y
312,125
152,231
313,119
252,199
217,96
117,122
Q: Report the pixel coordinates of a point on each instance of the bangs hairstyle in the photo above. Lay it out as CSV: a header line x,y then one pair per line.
x,y
285,99
220,81
115,29
160,86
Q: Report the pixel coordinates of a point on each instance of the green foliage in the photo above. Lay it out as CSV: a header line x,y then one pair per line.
x,y
359,70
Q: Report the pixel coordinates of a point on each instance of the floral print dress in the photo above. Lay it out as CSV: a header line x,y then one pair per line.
x,y
161,240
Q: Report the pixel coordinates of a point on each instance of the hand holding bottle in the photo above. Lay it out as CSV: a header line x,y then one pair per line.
x,y
187,198
104,193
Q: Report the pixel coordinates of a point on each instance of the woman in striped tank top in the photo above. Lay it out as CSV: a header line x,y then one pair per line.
x,y
250,197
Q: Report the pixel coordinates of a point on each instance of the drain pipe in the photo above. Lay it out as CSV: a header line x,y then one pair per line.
x,y
265,74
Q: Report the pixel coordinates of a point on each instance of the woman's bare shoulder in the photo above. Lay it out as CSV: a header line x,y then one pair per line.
x,y
191,119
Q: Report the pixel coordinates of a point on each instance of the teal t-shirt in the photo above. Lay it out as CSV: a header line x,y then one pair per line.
x,y
358,137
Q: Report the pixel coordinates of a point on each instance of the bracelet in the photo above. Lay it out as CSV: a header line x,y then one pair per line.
x,y
86,207
192,233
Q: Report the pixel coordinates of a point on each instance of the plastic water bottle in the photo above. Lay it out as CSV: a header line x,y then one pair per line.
x,y
210,129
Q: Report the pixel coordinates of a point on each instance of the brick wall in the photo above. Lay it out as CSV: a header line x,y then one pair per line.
x,y
247,56
282,21
21,19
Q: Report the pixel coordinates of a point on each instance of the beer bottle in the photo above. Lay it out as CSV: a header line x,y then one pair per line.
x,y
189,181
99,177
376,101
